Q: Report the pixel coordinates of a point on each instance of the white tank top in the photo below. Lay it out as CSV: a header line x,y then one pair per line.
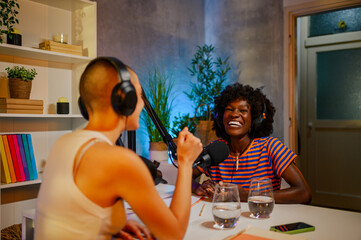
x,y
63,211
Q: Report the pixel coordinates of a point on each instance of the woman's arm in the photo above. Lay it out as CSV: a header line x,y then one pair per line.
x,y
139,191
298,192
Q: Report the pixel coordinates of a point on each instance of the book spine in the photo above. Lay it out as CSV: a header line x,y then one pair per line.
x,y
18,157
9,158
27,156
32,157
23,158
5,173
13,157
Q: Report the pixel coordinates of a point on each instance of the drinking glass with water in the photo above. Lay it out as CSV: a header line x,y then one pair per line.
x,y
226,206
260,198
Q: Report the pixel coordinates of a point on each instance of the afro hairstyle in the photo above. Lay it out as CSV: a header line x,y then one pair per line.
x,y
262,110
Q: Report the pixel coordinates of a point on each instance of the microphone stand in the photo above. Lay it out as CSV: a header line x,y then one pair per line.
x,y
167,139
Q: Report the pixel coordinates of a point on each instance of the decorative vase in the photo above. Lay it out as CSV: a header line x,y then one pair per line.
x,y
205,132
62,108
158,151
19,88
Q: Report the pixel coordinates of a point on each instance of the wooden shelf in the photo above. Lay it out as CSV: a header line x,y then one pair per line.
x,y
34,53
69,5
59,74
20,184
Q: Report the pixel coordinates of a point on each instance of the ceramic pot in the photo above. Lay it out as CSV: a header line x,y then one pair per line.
x,y
14,40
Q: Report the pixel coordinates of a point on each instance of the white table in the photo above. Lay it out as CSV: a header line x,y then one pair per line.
x,y
329,223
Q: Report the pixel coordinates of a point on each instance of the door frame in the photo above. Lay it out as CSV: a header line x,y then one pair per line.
x,y
291,10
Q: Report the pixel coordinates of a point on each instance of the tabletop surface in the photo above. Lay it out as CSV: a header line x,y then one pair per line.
x,y
329,223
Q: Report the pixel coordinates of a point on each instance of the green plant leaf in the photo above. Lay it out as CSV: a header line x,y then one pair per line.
x,y
21,72
159,92
8,13
210,78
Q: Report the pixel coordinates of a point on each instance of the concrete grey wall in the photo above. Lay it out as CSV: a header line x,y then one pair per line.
x,y
250,32
145,33
167,32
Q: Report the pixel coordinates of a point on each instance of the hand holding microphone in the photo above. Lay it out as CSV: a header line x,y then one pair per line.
x,y
188,147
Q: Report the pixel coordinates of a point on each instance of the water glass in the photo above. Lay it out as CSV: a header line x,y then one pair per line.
x,y
260,198
226,206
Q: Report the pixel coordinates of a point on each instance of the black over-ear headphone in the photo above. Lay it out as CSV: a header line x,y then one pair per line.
x,y
257,122
124,97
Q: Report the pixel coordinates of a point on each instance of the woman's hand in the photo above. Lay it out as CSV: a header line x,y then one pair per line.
x,y
188,147
206,189
133,229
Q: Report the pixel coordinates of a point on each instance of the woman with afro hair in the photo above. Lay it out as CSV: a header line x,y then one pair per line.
x,y
243,119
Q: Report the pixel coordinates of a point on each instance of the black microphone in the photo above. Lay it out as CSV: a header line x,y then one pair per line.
x,y
212,155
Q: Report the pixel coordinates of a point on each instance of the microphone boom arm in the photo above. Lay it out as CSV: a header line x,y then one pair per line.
x,y
167,139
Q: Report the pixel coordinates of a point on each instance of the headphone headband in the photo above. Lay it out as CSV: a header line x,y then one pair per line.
x,y
123,96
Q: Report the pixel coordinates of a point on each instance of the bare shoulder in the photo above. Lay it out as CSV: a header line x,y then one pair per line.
x,y
114,156
112,171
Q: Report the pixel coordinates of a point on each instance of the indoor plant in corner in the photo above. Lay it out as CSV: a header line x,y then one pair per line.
x,y
158,91
20,80
210,80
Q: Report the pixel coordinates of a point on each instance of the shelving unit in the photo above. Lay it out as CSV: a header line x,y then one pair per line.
x,y
19,184
34,53
58,76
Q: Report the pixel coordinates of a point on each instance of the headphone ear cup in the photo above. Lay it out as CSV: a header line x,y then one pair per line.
x,y
257,123
82,109
124,98
218,121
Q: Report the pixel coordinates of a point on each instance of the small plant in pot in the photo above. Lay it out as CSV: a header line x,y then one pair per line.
x,y
8,12
159,92
20,80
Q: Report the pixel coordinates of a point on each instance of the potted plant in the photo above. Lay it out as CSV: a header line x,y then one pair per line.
x,y
20,80
210,79
159,93
8,12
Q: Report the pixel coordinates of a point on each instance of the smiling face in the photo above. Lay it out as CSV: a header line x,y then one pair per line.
x,y
237,118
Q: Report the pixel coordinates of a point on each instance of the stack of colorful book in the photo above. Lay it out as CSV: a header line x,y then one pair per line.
x,y
17,158
16,105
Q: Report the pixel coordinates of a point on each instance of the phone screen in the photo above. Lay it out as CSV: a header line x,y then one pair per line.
x,y
297,227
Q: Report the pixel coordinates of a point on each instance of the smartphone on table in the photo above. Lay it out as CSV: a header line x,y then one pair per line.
x,y
292,228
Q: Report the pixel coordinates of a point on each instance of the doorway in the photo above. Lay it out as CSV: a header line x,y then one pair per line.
x,y
329,114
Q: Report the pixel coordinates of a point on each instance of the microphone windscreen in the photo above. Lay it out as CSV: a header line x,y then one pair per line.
x,y
218,151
